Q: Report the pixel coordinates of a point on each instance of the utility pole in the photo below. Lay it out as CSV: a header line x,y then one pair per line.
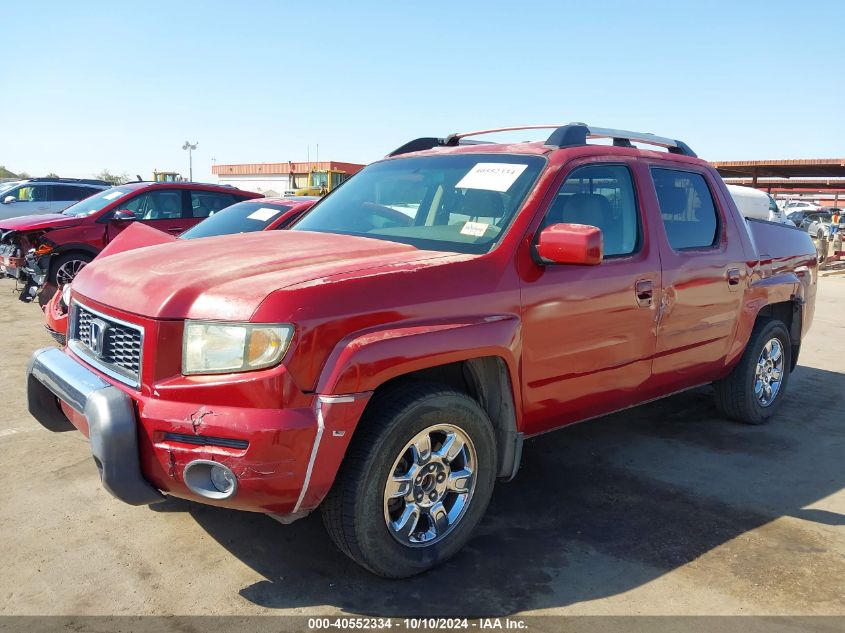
x,y
190,147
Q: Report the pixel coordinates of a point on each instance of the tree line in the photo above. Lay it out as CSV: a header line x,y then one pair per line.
x,y
106,175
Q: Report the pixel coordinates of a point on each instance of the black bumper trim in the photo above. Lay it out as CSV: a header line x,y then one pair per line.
x,y
110,413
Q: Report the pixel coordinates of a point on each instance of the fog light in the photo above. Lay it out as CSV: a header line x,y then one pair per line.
x,y
222,478
210,479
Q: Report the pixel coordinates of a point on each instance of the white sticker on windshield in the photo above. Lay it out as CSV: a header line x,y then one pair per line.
x,y
476,229
112,195
491,176
264,214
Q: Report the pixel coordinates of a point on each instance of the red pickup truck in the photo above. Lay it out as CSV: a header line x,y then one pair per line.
x,y
385,357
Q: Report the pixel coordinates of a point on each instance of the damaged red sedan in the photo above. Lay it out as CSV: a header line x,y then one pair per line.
x,y
53,248
260,214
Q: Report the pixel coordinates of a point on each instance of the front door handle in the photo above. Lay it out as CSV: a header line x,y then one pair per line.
x,y
176,229
644,289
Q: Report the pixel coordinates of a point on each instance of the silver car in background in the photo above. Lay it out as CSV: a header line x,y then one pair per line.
x,y
45,195
821,225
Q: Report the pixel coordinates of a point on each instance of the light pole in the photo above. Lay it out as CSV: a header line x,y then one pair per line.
x,y
190,147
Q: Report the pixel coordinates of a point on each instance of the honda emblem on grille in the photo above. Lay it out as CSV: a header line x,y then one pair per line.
x,y
97,341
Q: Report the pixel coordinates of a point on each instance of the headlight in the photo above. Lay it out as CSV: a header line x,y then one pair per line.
x,y
66,295
222,348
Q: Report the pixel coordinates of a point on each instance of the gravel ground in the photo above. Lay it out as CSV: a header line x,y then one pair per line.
x,y
663,509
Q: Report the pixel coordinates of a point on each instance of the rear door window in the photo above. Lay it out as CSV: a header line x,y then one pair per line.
x,y
69,193
687,207
207,203
163,204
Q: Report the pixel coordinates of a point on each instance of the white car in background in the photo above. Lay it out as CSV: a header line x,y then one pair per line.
x,y
45,195
756,205
800,205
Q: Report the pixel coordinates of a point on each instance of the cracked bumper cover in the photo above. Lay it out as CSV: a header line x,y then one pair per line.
x,y
142,442
110,414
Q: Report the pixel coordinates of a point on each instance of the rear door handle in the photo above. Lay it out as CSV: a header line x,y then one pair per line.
x,y
644,289
176,229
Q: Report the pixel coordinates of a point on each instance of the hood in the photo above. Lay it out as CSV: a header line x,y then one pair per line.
x,y
36,222
227,277
136,235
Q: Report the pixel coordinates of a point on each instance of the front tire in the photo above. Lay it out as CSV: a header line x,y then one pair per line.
x,y
415,481
753,391
66,267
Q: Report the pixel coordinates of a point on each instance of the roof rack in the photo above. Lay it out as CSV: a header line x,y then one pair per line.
x,y
430,142
570,135
576,134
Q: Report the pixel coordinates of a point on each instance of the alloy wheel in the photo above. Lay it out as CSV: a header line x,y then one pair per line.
x,y
430,485
69,270
768,374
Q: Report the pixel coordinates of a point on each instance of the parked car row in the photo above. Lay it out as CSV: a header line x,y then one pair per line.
x,y
45,195
52,248
384,358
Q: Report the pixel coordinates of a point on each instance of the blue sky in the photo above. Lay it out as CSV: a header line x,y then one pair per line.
x,y
121,86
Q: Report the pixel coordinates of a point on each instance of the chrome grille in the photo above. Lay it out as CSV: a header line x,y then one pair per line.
x,y
111,345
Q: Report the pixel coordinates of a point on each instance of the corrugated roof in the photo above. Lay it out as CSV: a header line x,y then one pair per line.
x,y
789,168
781,185
276,169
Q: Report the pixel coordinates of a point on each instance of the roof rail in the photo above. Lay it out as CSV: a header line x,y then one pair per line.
x,y
84,181
571,135
576,134
430,142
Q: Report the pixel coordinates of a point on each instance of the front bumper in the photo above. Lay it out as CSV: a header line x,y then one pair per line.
x,y
110,415
284,459
56,317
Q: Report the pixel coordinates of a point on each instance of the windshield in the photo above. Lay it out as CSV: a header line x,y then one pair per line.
x,y
773,206
96,202
319,178
243,217
460,202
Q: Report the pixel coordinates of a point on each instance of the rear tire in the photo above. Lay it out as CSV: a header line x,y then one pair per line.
x,y
398,509
753,391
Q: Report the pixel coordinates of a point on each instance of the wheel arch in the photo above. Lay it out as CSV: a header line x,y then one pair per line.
x,y
477,357
68,249
487,381
787,296
790,313
74,248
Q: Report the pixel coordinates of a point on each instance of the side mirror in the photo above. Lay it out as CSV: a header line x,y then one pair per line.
x,y
9,199
123,215
570,244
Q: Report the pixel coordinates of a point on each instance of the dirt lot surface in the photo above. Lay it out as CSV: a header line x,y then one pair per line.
x,y
664,509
